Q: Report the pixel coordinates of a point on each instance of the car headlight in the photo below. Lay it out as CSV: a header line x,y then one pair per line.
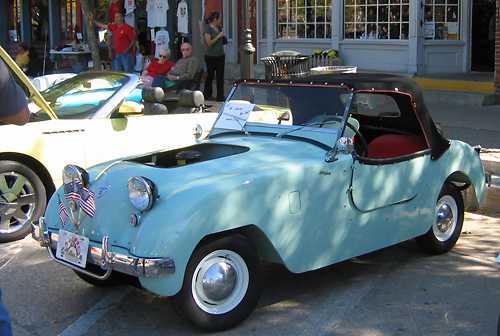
x,y
141,193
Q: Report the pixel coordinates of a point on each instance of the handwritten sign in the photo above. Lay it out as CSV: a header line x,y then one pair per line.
x,y
234,115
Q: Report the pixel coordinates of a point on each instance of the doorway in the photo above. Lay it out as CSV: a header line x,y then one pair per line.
x,y
483,36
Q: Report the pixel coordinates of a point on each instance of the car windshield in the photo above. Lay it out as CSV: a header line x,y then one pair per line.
x,y
81,96
285,105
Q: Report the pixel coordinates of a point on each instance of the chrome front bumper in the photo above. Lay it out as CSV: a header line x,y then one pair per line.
x,y
102,257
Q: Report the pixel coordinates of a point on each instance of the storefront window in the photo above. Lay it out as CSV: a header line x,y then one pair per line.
x,y
376,19
442,20
309,19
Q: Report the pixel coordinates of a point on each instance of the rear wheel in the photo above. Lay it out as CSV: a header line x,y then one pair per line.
x,y
447,226
23,200
221,285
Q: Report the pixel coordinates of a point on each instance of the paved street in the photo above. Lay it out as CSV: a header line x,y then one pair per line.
x,y
397,291
477,125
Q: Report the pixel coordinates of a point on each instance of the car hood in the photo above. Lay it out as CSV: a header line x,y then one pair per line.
x,y
181,189
255,153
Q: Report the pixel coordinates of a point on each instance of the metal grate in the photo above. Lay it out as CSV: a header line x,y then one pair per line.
x,y
286,67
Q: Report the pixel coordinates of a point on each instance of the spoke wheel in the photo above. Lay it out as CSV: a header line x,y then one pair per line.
x,y
448,221
22,200
221,284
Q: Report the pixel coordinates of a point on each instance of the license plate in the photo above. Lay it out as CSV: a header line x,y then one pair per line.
x,y
72,248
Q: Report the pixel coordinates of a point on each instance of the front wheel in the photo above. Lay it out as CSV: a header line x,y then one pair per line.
x,y
447,226
23,200
221,285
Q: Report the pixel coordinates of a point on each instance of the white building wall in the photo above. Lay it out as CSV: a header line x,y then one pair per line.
x,y
411,56
376,55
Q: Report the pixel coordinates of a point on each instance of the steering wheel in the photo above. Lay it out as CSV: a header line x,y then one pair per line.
x,y
364,144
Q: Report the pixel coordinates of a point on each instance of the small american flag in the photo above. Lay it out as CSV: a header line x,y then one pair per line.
x,y
72,191
63,214
87,202
76,192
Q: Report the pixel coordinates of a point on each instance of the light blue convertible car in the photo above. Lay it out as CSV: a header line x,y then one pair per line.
x,y
306,174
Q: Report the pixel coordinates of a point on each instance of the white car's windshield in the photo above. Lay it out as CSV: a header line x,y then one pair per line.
x,y
81,96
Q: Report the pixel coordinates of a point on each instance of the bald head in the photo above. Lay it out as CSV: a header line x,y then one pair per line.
x,y
186,50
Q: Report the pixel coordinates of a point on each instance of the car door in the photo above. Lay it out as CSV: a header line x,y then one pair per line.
x,y
390,182
379,184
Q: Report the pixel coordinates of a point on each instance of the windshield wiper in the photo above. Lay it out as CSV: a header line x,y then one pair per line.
x,y
310,124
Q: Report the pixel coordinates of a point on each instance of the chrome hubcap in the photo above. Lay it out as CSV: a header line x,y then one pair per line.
x,y
220,282
446,218
17,202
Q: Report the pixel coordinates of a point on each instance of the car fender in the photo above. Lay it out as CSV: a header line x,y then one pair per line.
x,y
183,232
461,165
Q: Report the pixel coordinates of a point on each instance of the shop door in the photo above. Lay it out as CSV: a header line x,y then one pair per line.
x,y
483,35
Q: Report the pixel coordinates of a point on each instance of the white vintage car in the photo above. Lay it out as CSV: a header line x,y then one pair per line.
x,y
87,119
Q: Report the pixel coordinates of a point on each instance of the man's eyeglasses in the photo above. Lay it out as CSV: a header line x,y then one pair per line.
x,y
163,56
185,49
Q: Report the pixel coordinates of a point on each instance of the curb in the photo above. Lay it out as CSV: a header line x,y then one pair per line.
x,y
455,98
483,87
457,92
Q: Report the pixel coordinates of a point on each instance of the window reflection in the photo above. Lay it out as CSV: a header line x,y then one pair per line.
x,y
304,19
372,19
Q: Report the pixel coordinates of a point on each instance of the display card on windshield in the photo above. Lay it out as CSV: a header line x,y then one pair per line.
x,y
234,115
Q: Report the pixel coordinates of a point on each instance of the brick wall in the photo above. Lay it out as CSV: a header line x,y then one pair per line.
x,y
497,50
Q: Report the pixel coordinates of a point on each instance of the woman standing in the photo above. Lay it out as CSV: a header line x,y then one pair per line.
x,y
214,56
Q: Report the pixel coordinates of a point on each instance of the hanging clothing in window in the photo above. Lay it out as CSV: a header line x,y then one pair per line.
x,y
182,17
157,13
162,41
129,12
129,6
130,19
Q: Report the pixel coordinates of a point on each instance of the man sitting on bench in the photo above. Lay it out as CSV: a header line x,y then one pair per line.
x,y
184,74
